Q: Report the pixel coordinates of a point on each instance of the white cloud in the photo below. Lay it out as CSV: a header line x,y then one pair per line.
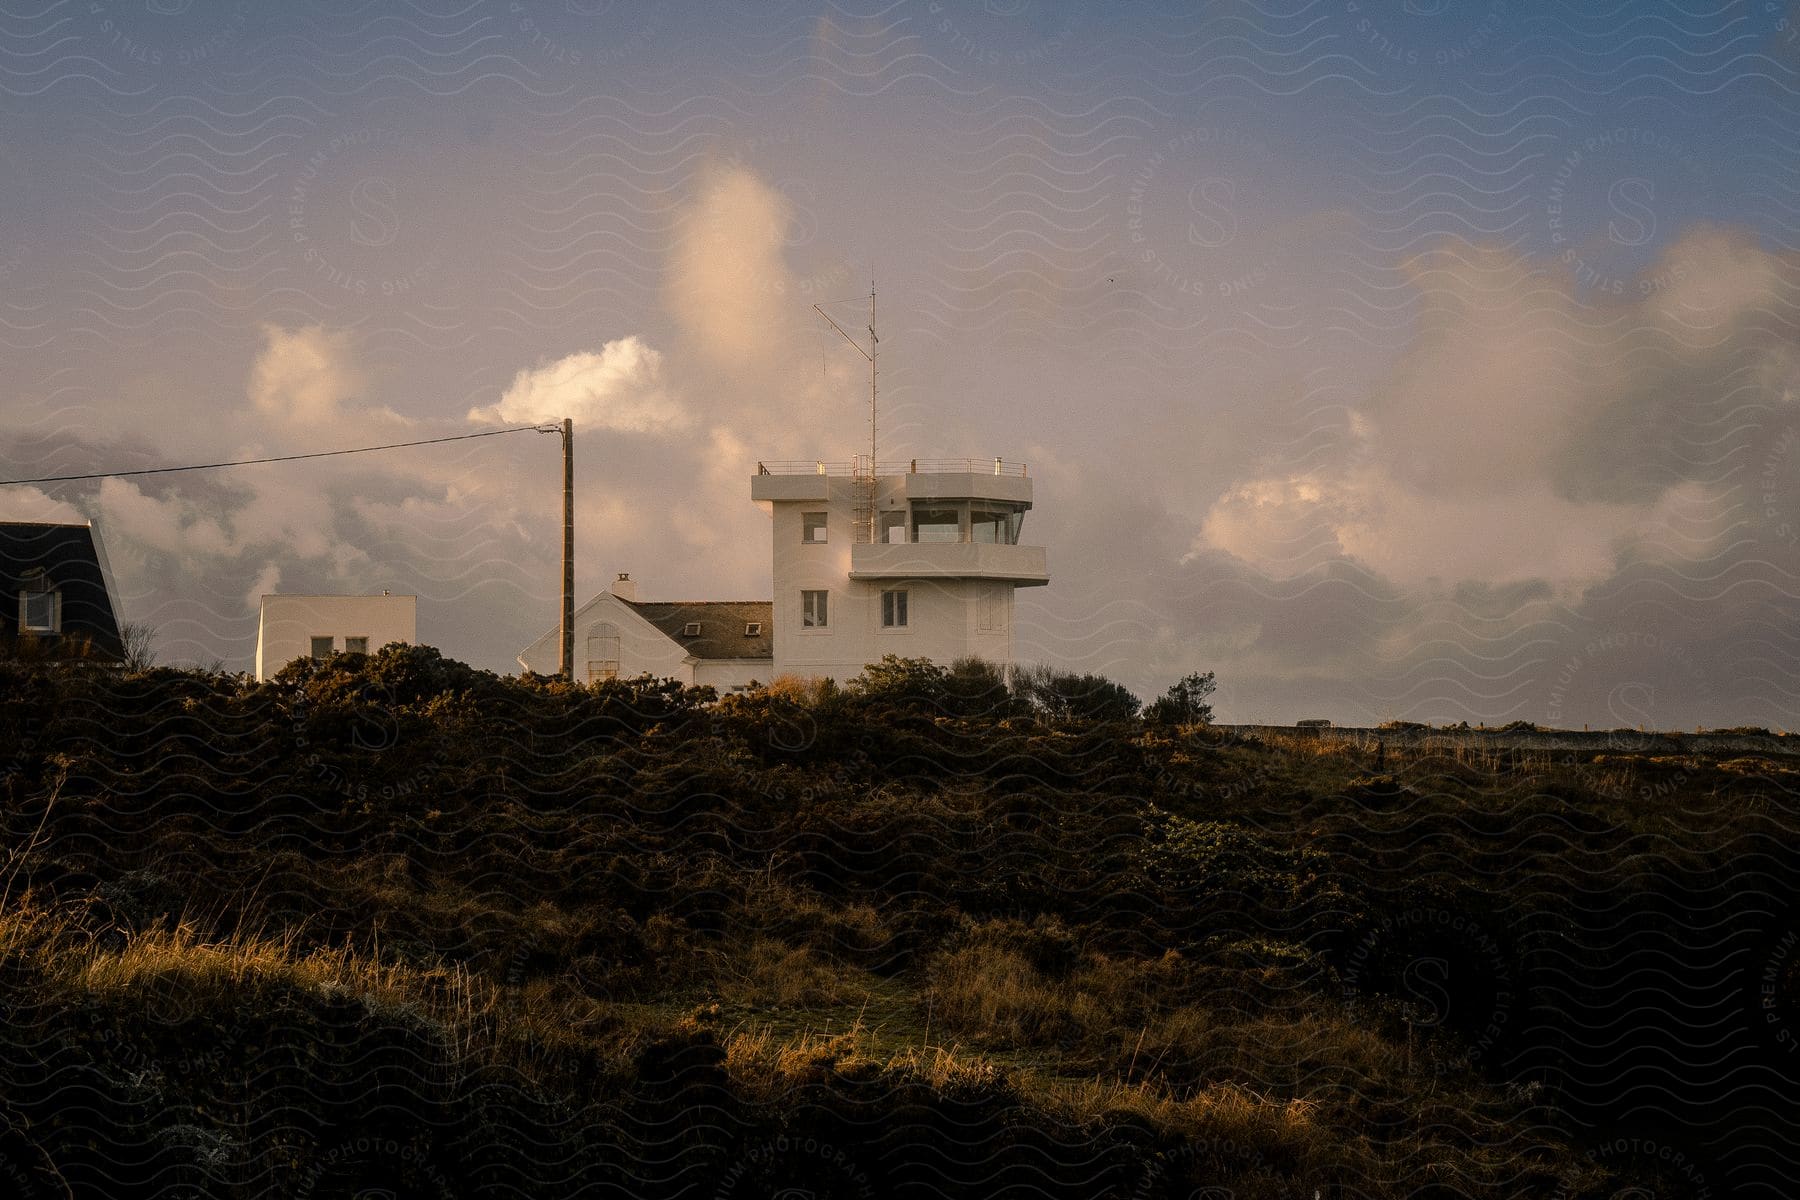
x,y
728,284
303,375
1527,435
621,388
24,503
308,376
266,583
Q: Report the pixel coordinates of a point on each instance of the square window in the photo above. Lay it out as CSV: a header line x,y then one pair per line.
x,y
893,527
893,610
753,629
321,647
356,645
812,528
993,526
812,609
691,629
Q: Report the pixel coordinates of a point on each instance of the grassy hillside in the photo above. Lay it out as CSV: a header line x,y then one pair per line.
x,y
390,922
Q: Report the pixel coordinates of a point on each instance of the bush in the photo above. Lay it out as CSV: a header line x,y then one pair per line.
x,y
910,682
1185,702
1063,697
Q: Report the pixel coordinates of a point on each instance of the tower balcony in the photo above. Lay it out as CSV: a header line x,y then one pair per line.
x,y
911,479
1022,566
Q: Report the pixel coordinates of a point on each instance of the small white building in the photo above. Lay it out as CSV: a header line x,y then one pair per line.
x,y
725,643
320,626
919,560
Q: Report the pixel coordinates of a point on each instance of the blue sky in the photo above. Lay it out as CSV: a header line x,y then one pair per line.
x,y
1392,360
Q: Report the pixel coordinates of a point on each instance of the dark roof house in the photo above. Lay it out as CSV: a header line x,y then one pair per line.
x,y
59,594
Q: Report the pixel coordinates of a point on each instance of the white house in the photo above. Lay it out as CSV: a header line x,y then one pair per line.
x,y
920,560
320,626
725,643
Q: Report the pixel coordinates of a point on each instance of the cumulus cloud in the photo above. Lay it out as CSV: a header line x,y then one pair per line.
x,y
303,375
308,377
620,388
729,285
266,583
25,503
1527,433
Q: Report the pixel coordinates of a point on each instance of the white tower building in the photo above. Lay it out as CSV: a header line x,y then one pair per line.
x,y
918,559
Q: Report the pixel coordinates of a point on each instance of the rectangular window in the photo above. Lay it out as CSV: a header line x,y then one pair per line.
x,y
37,607
356,645
602,668
321,647
893,609
990,610
812,610
936,525
812,528
893,527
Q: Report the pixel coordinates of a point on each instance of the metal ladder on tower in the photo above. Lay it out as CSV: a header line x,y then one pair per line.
x,y
862,469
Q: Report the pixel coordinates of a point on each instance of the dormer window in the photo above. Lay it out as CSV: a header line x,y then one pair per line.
x,y
40,604
691,629
753,629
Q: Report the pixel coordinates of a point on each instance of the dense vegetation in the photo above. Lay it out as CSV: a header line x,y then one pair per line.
x,y
387,921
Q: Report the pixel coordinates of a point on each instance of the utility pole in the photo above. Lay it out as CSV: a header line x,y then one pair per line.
x,y
567,429
568,580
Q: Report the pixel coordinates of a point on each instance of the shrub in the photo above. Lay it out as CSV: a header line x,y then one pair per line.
x,y
1185,702
911,682
1063,697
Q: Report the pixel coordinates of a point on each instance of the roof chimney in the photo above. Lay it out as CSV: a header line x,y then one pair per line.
x,y
624,588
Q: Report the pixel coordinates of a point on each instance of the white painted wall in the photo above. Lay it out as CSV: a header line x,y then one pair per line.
x,y
641,649
732,674
290,622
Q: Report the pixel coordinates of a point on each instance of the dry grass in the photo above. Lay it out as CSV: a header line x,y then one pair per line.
x,y
770,972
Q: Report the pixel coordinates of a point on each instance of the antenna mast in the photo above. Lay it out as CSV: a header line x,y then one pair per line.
x,y
865,480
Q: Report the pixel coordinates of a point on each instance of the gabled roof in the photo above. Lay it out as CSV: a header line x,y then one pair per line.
x,y
722,624
71,557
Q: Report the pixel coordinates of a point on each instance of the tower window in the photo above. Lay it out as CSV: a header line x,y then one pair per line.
x,y
893,527
893,609
994,526
812,528
937,525
812,609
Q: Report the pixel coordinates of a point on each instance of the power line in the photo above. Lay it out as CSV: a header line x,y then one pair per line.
x,y
250,462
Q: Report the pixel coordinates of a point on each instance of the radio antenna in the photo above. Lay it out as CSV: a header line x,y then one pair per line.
x,y
865,482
